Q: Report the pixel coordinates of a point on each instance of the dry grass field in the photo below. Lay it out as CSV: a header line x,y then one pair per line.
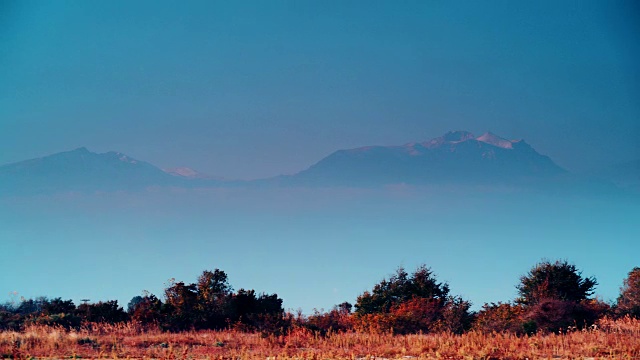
x,y
612,339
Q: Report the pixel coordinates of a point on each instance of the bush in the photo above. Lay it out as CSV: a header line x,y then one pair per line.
x,y
339,319
147,310
415,315
10,320
455,317
552,315
629,300
67,321
500,317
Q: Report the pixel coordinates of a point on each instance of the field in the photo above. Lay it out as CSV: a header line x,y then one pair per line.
x,y
619,339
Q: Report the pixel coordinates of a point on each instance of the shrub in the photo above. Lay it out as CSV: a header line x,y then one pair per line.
x,y
629,300
67,321
455,316
339,319
147,310
415,315
500,317
552,315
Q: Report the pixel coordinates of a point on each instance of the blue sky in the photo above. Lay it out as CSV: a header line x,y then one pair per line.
x,y
245,89
255,89
314,248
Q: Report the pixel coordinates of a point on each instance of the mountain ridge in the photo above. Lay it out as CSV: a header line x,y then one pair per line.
x,y
81,170
457,157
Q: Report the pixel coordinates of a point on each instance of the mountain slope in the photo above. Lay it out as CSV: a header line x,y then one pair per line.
x,y
457,157
81,170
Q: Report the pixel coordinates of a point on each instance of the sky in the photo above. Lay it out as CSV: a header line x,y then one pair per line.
x,y
250,89
314,248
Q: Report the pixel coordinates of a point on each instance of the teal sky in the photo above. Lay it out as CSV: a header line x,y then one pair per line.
x,y
314,248
249,89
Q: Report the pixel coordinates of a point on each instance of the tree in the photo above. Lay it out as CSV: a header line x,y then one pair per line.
x,y
102,312
58,306
558,281
556,296
344,308
629,299
251,310
182,305
146,309
401,288
411,303
133,303
213,286
31,306
214,291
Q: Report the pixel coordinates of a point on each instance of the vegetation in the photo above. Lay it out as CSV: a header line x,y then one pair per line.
x,y
410,304
554,315
629,300
555,297
613,339
558,281
208,304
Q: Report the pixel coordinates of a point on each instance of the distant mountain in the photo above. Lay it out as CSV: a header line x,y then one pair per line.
x,y
82,170
455,157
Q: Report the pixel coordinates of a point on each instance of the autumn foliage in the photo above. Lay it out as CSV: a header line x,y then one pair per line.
x,y
553,297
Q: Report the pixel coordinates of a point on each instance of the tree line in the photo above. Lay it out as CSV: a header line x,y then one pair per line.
x,y
552,297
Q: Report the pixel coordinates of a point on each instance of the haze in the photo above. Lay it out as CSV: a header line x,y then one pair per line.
x,y
250,90
255,89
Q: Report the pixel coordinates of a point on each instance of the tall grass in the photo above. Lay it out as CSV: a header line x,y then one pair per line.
x,y
610,339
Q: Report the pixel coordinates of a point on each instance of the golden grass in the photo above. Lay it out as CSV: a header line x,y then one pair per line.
x,y
613,339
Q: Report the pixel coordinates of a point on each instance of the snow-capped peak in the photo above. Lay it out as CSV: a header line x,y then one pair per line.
x,y
185,172
122,157
495,140
452,137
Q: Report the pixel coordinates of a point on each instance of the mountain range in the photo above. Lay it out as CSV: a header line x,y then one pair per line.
x,y
457,157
